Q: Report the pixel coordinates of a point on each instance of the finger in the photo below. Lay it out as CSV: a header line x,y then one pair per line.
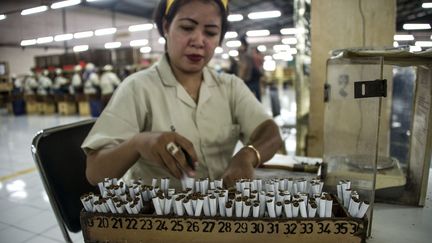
x,y
183,164
170,164
187,146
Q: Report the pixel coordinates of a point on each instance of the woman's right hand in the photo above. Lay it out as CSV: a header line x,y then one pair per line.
x,y
152,146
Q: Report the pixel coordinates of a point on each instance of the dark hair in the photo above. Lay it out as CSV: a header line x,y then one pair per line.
x,y
159,14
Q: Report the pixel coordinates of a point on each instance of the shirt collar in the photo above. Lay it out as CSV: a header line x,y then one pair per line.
x,y
169,79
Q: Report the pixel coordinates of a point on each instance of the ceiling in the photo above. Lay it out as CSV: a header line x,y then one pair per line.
x,y
126,12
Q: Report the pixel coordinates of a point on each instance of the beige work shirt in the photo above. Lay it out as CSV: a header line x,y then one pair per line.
x,y
153,100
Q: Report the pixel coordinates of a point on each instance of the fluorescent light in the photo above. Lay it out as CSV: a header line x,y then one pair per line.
x,y
395,44
281,48
268,57
145,49
140,27
427,5
414,48
262,48
64,4
416,26
2,16
225,56
63,37
218,50
269,65
289,41
42,40
161,40
233,53
28,42
80,48
264,15
291,31
266,39
285,56
39,9
141,42
84,34
403,37
233,43
254,33
93,1
423,43
105,31
235,17
112,45
230,34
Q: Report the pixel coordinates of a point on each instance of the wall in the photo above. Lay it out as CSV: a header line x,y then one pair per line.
x,y
338,24
22,59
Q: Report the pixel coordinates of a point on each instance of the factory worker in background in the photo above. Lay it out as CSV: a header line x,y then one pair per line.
x,y
76,83
91,80
108,83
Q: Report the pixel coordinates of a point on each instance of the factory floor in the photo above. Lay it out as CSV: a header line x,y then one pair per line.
x,y
26,214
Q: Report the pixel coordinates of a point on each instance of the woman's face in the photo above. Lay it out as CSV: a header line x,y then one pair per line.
x,y
193,36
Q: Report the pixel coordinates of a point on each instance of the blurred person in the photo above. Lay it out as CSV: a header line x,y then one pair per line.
x,y
246,68
91,80
108,83
76,81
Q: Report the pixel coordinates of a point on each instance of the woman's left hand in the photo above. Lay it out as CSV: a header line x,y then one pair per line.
x,y
241,166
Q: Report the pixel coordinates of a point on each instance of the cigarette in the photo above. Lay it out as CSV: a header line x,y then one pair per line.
x,y
322,207
154,182
288,209
295,188
120,207
128,209
312,208
246,209
111,206
228,208
259,185
238,207
194,200
271,209
276,185
278,209
346,197
204,186
363,208
84,203
197,186
188,206
238,186
179,206
246,192
262,200
282,185
328,206
221,200
213,206
101,188
133,208
156,205
219,183
212,185
339,192
354,207
295,209
167,206
206,206
290,185
254,185
302,204
199,206
255,209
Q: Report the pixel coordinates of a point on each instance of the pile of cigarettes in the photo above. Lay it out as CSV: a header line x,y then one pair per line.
x,y
275,198
351,199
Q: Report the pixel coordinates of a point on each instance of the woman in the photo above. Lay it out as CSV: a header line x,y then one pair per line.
x,y
135,138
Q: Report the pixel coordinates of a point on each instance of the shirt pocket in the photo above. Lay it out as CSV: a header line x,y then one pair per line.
x,y
228,135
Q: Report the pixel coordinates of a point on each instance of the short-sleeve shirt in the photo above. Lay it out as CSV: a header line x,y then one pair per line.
x,y
153,100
